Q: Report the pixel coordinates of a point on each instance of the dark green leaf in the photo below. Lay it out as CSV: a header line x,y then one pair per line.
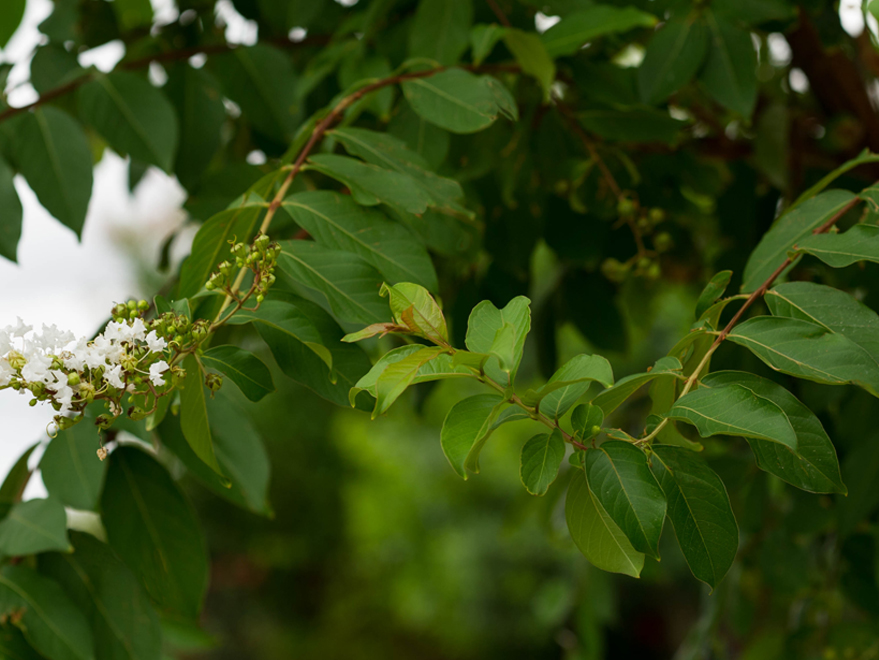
x,y
483,39
789,230
52,66
530,53
569,383
15,482
34,526
13,645
673,56
577,28
623,484
10,221
153,529
813,466
50,621
337,222
122,619
597,536
466,428
712,291
611,398
587,420
194,414
541,458
700,512
71,469
441,30
860,243
133,13
133,116
424,138
636,124
245,369
730,72
11,13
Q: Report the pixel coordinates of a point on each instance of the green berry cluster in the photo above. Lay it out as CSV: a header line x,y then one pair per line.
x,y
260,258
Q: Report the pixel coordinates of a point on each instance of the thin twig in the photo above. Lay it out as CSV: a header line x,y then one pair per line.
x,y
501,16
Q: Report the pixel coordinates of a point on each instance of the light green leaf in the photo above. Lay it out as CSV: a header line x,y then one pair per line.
x,y
337,222
443,367
530,53
789,230
371,185
194,414
611,398
261,80
154,530
541,459
107,593
50,621
458,101
10,220
712,291
673,56
483,38
730,71
860,243
211,244
349,283
133,13
569,383
414,307
597,536
700,512
579,27
34,526
369,379
587,420
483,325
71,469
441,30
11,13
809,351
50,150
735,409
813,466
398,375
244,369
133,116
466,428
621,481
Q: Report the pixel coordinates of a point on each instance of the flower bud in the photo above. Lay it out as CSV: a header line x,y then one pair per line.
x,y
663,242
626,207
213,382
73,379
103,421
132,305
143,305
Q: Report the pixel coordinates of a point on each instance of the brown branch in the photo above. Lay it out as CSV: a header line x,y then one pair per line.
x,y
501,16
568,114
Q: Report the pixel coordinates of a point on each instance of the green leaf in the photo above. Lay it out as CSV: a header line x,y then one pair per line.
x,y
530,53
71,469
15,482
13,645
133,116
107,593
579,27
337,222
11,13
700,512
441,30
632,124
830,308
789,230
34,526
483,325
398,375
245,369
414,307
392,153
444,366
301,362
211,244
349,283
261,80
483,39
813,466
809,351
541,459
466,428
623,484
611,398
428,141
569,383
371,185
50,621
587,420
458,101
53,66
860,243
196,97
735,409
194,413
10,221
597,536
154,530
240,453
712,291
133,13
673,56
50,150
730,72
367,382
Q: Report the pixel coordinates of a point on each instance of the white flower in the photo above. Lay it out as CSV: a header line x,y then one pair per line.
x,y
37,367
75,358
53,338
156,371
138,329
117,331
114,376
155,343
19,329
5,342
6,372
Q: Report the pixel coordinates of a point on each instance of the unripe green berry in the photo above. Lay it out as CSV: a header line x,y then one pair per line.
x,y
626,207
73,379
663,242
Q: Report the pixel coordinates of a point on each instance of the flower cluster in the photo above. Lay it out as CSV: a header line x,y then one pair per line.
x,y
259,258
